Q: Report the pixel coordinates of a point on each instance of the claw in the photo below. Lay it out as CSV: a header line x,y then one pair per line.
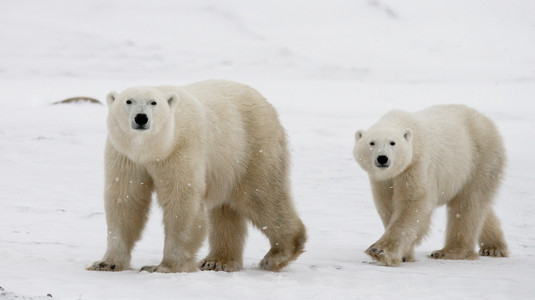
x,y
150,269
375,251
437,255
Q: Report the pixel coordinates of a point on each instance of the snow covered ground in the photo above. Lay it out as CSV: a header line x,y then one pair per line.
x,y
329,67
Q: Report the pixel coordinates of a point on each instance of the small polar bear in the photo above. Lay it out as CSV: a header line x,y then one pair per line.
x,y
448,154
213,147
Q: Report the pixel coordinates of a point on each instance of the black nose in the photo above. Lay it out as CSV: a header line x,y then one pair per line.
x,y
141,119
382,159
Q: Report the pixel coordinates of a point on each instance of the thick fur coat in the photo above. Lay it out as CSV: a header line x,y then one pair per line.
x,y
448,154
212,148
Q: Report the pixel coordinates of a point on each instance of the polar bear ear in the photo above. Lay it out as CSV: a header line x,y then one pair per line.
x,y
407,134
111,97
359,134
172,99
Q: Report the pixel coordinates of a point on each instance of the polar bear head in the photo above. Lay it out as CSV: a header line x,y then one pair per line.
x,y
140,118
383,152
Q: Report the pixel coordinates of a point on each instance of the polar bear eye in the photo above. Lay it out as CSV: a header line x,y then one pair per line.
x,y
392,143
153,103
128,101
372,143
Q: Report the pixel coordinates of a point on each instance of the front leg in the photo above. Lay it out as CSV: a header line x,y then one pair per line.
x,y
127,199
408,224
392,250
383,192
185,230
184,221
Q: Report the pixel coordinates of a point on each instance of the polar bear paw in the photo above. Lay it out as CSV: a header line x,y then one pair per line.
x,y
384,256
165,268
275,260
497,251
453,253
106,265
157,269
215,264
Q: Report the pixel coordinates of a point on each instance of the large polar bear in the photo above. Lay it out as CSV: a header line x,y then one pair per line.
x,y
448,154
214,145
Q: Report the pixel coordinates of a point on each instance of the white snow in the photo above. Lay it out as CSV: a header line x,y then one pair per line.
x,y
329,67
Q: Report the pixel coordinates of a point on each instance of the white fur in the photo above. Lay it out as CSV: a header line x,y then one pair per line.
x,y
447,154
214,145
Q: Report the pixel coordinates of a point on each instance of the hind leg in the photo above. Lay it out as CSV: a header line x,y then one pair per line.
x,y
287,237
491,239
285,247
228,230
274,215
